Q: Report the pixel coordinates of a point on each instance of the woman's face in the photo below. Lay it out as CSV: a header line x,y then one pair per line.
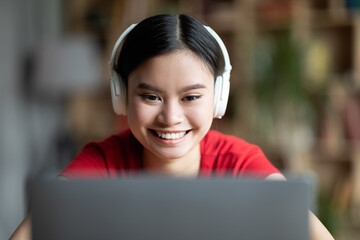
x,y
170,104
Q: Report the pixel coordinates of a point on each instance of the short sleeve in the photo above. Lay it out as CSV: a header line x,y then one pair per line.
x,y
255,164
90,163
225,154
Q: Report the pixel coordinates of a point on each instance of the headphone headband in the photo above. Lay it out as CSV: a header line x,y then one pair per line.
x,y
118,43
227,65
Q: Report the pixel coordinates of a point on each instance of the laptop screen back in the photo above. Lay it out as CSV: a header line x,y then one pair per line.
x,y
173,209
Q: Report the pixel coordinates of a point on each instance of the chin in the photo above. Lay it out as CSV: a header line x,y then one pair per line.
x,y
170,156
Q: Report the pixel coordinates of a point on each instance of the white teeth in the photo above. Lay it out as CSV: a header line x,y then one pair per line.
x,y
170,135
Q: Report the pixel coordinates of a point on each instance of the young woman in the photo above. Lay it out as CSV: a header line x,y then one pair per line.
x,y
170,81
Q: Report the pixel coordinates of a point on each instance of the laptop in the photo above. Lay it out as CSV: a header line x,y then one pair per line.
x,y
176,209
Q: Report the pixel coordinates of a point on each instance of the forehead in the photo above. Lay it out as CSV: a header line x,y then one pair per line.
x,y
180,67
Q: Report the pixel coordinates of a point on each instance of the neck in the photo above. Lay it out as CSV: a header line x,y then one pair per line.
x,y
187,166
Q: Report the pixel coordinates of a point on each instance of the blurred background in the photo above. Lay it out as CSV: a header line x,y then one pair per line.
x,y
295,89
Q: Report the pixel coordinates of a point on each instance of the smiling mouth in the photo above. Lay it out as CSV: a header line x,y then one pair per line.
x,y
168,135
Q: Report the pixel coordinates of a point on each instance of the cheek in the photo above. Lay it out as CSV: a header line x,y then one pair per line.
x,y
202,114
140,113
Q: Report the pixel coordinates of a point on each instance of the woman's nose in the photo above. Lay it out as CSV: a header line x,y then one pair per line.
x,y
171,114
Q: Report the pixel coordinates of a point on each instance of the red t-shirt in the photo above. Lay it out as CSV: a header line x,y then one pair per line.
x,y
120,155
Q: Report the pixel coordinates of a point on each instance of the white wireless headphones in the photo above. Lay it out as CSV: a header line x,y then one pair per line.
x,y
221,88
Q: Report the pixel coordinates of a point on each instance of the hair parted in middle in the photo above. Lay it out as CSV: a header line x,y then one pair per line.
x,y
166,33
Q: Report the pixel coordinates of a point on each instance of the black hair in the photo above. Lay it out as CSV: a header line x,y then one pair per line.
x,y
167,33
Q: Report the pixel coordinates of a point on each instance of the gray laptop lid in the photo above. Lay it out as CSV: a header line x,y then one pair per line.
x,y
173,209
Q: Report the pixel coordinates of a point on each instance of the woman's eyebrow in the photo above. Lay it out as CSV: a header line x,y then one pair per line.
x,y
194,86
155,89
149,87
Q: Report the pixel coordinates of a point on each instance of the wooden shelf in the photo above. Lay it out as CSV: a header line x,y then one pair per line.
x,y
324,19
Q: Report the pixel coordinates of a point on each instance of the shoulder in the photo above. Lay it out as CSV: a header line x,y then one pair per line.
x,y
234,155
219,143
111,145
105,158
116,148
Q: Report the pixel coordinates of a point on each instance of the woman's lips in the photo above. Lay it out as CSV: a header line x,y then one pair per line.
x,y
170,136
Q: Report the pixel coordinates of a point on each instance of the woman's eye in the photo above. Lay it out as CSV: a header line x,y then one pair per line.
x,y
191,98
150,97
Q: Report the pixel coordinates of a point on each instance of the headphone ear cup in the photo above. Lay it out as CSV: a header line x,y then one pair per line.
x,y
118,94
221,95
